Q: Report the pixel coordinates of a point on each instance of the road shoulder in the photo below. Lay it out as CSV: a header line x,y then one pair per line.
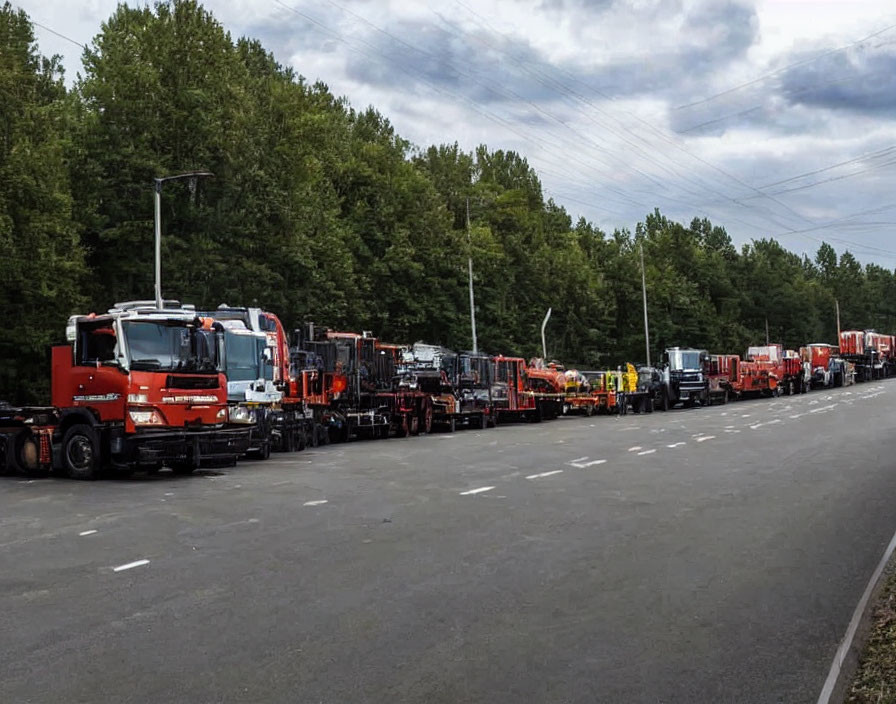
x,y
869,674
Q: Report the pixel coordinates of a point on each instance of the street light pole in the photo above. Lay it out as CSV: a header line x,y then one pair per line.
x,y
158,224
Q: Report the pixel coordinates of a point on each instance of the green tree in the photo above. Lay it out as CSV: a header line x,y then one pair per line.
x,y
41,257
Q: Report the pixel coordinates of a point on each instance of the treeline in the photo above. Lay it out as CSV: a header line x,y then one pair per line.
x,y
322,212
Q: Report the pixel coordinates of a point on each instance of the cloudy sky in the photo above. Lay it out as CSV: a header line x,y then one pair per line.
x,y
771,117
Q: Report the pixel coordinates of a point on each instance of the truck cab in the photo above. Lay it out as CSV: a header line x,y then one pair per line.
x,y
138,387
684,375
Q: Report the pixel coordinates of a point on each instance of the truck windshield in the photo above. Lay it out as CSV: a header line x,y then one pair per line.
x,y
684,359
244,358
165,346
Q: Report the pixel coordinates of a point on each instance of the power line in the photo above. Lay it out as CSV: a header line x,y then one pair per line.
x,y
672,141
771,74
58,34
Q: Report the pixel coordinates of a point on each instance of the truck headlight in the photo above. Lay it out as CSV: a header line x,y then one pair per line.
x,y
138,398
241,414
222,415
145,417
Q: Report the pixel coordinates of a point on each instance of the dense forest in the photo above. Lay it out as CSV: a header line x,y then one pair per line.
x,y
319,211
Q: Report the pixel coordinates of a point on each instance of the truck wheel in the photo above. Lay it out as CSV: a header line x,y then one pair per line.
x,y
81,452
452,424
427,420
589,410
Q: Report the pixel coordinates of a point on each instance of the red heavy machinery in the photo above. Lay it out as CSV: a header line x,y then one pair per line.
x,y
723,373
135,388
870,352
826,368
547,382
372,402
767,369
410,408
343,371
459,385
512,397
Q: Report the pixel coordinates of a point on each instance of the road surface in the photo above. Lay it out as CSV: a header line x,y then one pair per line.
x,y
707,555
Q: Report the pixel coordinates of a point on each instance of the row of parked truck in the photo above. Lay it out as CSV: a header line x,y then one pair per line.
x,y
141,387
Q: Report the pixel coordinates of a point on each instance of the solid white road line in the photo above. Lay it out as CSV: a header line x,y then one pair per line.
x,y
130,565
846,643
544,474
647,452
476,491
318,502
705,437
86,532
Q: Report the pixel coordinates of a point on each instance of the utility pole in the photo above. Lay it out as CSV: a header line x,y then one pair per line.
x,y
470,268
837,303
158,224
766,332
644,293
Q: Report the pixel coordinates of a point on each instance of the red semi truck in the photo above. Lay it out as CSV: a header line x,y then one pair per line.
x,y
870,352
135,388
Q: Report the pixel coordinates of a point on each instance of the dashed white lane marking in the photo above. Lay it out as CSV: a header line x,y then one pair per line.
x,y
318,502
768,422
634,449
582,464
544,474
820,409
86,532
732,431
130,565
705,437
169,493
745,415
676,444
579,459
647,452
476,491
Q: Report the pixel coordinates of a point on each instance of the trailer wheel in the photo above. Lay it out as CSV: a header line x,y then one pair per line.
x,y
81,452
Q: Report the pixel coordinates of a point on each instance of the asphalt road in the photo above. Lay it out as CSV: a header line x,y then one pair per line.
x,y
710,555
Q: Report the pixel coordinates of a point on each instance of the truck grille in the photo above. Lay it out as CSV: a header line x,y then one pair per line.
x,y
191,382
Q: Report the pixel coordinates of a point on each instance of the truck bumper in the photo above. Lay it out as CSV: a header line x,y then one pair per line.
x,y
196,447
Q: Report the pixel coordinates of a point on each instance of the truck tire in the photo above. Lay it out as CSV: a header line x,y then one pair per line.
x,y
81,452
664,403
452,424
